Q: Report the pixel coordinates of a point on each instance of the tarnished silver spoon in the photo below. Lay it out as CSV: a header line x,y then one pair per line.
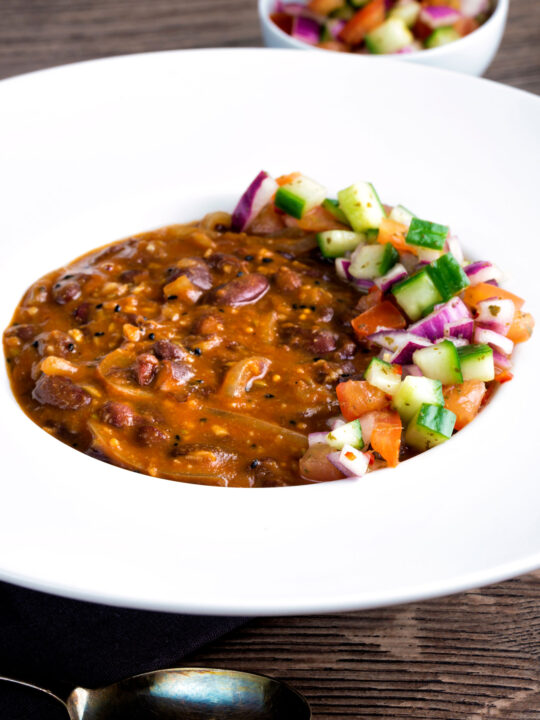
x,y
185,694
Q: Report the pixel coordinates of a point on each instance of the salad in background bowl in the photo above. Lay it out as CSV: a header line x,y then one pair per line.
x,y
461,35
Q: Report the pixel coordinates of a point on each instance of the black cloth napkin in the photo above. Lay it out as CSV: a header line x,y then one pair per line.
x,y
60,644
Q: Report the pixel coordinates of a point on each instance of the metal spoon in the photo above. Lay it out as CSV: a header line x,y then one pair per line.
x,y
186,694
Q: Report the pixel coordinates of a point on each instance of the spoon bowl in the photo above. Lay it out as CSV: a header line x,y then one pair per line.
x,y
187,694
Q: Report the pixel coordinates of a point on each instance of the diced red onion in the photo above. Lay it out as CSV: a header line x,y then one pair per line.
x,y
435,16
413,370
389,339
457,341
335,422
497,314
342,269
335,26
316,437
501,361
306,29
409,261
258,194
350,467
472,8
454,247
362,284
403,355
367,423
406,50
393,276
463,328
432,326
295,9
481,272
485,336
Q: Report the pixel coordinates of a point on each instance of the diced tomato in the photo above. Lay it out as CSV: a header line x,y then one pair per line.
x,y
325,7
374,297
357,397
386,437
504,376
484,291
383,315
395,233
363,22
316,220
283,21
522,327
465,26
286,179
464,400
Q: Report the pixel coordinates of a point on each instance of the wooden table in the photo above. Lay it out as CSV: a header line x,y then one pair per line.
x,y
468,657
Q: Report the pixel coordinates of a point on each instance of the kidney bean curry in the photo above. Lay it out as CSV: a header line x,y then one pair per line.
x,y
208,352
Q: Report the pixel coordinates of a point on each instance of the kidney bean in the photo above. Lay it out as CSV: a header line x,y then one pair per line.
x,y
23,332
60,392
225,263
265,472
287,279
173,375
56,343
135,275
65,291
242,290
82,313
148,435
323,341
145,368
207,324
167,350
195,269
117,414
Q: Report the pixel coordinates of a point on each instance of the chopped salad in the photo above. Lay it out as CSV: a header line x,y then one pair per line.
x,y
380,26
444,328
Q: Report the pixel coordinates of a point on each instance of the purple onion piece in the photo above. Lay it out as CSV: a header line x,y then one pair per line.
x,y
404,355
393,276
413,370
472,8
497,314
463,328
342,269
362,284
481,272
486,336
432,326
501,361
391,340
306,30
435,16
457,341
350,468
454,246
335,26
317,437
335,422
258,194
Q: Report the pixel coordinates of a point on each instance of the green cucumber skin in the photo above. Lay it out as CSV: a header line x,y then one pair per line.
x,y
362,206
442,36
448,276
440,362
333,208
348,434
383,376
407,297
389,37
389,259
427,234
335,243
414,392
290,203
431,425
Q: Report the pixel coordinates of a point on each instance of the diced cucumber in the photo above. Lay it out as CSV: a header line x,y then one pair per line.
x,y
442,36
335,243
417,294
389,37
362,206
371,235
432,425
401,215
428,255
299,196
413,392
477,362
343,13
333,208
448,276
348,434
371,261
440,362
382,375
427,234
406,11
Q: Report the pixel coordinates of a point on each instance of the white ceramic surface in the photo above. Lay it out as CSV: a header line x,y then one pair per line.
x,y
471,55
97,151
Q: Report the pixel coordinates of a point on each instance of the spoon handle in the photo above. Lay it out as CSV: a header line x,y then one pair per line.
x,y
34,687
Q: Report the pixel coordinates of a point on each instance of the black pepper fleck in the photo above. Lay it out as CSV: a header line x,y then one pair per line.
x,y
71,347
172,297
35,344
117,308
292,422
254,464
99,306
151,336
267,260
99,334
239,273
203,419
269,395
177,437
249,258
197,351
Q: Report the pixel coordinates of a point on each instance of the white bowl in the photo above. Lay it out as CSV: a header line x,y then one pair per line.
x,y
472,54
101,150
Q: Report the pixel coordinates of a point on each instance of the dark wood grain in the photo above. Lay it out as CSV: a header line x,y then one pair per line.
x,y
474,656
